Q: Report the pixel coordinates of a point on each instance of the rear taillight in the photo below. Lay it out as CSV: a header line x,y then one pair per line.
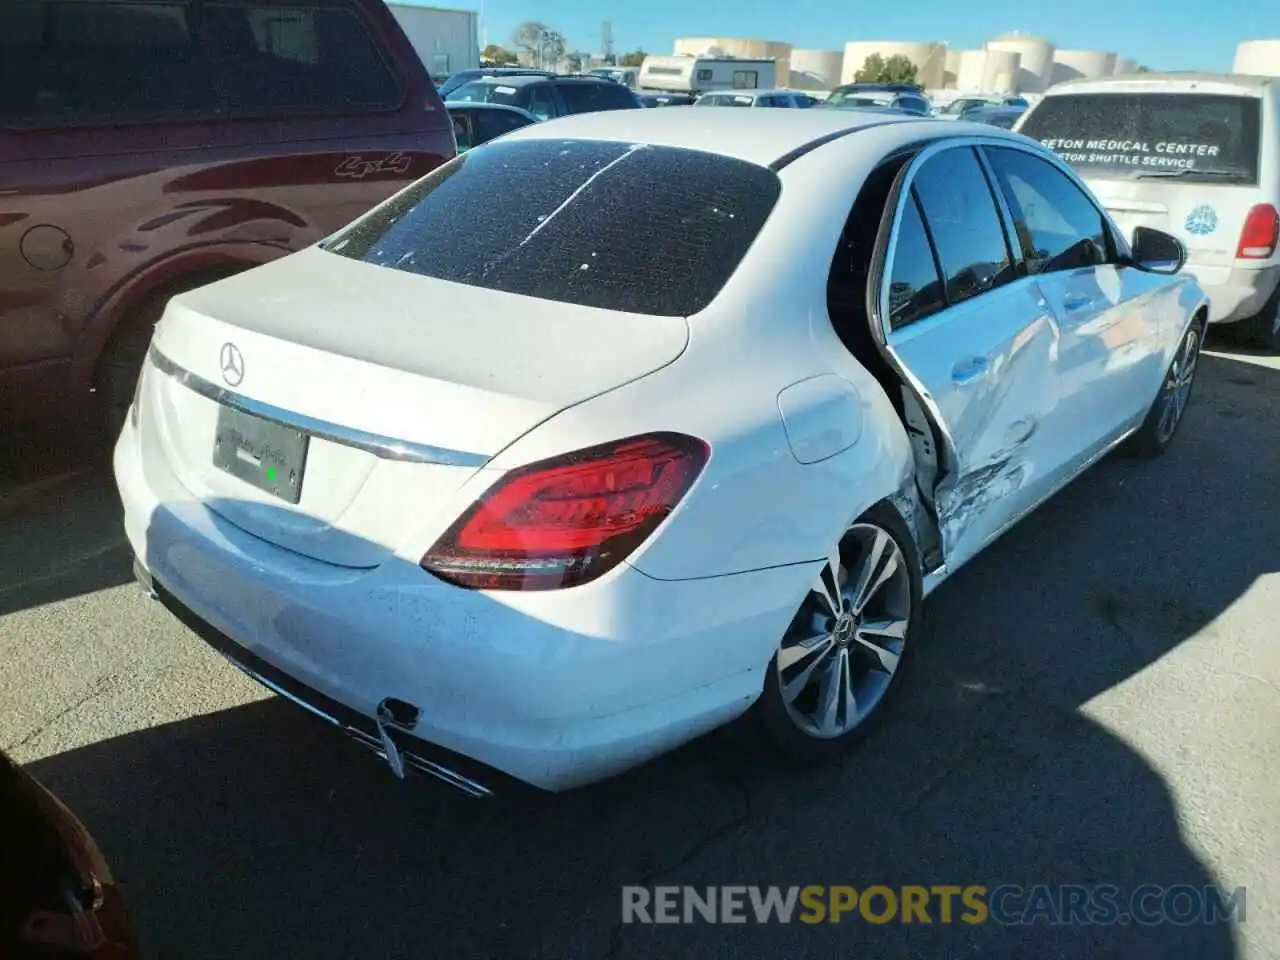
x,y
1260,234
568,520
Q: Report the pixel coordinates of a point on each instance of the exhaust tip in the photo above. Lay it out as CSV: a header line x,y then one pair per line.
x,y
398,713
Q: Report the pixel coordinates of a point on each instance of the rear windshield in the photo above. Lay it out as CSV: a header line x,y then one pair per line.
x,y
630,227
1193,136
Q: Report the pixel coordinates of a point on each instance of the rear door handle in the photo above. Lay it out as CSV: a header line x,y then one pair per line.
x,y
969,369
1077,301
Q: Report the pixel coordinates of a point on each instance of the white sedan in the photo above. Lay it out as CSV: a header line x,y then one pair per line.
x,y
622,427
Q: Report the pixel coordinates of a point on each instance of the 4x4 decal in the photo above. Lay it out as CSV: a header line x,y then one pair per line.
x,y
357,167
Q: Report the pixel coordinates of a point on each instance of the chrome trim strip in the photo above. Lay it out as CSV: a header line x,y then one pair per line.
x,y
386,448
450,777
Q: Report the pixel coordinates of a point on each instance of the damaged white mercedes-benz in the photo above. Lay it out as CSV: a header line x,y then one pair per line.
x,y
620,428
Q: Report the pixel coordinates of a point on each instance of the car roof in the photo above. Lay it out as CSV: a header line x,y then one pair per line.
x,y
521,81
762,139
1175,80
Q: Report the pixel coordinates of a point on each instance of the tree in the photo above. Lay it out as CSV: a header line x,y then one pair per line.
x,y
897,69
497,55
538,41
633,59
1143,70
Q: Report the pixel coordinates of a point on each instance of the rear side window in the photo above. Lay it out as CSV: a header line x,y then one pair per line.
x,y
636,228
915,289
107,61
965,224
1191,136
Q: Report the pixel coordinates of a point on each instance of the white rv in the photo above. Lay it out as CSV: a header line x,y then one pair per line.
x,y
698,74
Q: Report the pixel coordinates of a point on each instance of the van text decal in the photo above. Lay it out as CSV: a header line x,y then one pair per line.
x,y
1133,153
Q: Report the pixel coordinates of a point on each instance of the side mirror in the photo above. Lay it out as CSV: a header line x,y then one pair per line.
x,y
1156,251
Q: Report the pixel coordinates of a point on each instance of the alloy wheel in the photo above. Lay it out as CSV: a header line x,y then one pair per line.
x,y
845,644
1177,385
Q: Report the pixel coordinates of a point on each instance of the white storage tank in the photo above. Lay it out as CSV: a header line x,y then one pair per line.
x,y
744,48
1125,65
1035,66
816,69
930,58
1258,57
951,69
1000,71
973,67
1082,64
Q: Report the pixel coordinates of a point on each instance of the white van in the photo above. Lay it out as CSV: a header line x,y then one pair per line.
x,y
1195,155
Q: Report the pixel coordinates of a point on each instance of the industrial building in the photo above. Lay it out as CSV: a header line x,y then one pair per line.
x,y
1012,63
1258,57
1007,64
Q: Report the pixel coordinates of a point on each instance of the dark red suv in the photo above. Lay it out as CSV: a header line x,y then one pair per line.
x,y
150,146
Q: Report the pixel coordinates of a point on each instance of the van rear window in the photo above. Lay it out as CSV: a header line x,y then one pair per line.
x,y
620,226
108,61
1192,136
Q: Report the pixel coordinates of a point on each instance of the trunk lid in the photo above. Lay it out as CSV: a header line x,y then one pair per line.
x,y
381,371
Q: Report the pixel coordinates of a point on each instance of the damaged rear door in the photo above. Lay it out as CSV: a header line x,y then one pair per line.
x,y
975,339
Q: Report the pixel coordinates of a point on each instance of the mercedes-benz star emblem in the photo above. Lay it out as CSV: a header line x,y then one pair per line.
x,y
232,364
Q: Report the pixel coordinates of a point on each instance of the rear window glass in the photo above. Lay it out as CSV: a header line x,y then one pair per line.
x,y
106,61
1190,136
590,97
630,227
487,91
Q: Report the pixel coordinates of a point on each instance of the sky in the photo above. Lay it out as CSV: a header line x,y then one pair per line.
x,y
1162,34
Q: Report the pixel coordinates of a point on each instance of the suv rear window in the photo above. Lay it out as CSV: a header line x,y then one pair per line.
x,y
1194,136
108,61
630,227
588,97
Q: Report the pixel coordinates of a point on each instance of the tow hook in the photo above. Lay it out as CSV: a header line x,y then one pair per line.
x,y
397,714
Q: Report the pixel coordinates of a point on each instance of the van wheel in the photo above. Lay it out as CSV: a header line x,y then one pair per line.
x,y
1263,328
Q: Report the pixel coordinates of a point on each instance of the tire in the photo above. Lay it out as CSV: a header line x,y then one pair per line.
x,y
1263,328
120,364
1166,413
820,653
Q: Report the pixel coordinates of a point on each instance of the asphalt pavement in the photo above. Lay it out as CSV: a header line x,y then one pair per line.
x,y
1096,701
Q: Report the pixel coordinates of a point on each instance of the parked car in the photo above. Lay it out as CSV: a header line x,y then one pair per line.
x,y
651,99
521,507
962,106
549,97
1197,155
790,99
477,123
478,73
58,899
1002,116
895,96
145,151
627,76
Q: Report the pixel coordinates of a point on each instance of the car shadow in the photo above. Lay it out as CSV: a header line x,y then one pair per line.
x,y
60,534
259,831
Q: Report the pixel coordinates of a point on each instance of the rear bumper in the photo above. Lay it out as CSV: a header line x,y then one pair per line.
x,y
554,690
1235,294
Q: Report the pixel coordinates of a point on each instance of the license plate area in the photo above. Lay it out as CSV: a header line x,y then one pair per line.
x,y
267,455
